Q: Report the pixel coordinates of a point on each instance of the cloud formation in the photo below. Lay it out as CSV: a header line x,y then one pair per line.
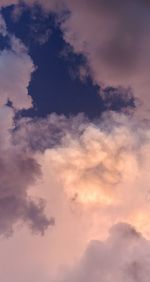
x,y
97,170
18,170
15,75
101,261
114,37
101,165
16,68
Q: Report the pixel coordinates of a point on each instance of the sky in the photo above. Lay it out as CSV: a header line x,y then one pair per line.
x,y
74,141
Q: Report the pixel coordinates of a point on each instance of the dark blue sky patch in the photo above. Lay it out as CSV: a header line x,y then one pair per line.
x,y
4,42
30,26
118,99
53,87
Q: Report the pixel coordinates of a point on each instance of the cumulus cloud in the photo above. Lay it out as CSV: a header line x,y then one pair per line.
x,y
124,256
101,165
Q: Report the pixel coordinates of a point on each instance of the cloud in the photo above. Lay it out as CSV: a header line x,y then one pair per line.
x,y
51,5
18,169
39,134
3,29
94,173
6,3
124,256
16,67
15,74
113,36
100,165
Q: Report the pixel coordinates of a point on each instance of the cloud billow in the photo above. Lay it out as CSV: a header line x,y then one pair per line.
x,y
100,168
17,172
124,256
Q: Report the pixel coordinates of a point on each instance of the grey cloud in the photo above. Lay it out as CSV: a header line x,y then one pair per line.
x,y
112,35
18,169
124,256
5,3
16,68
15,74
17,173
122,50
128,21
40,134
114,38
